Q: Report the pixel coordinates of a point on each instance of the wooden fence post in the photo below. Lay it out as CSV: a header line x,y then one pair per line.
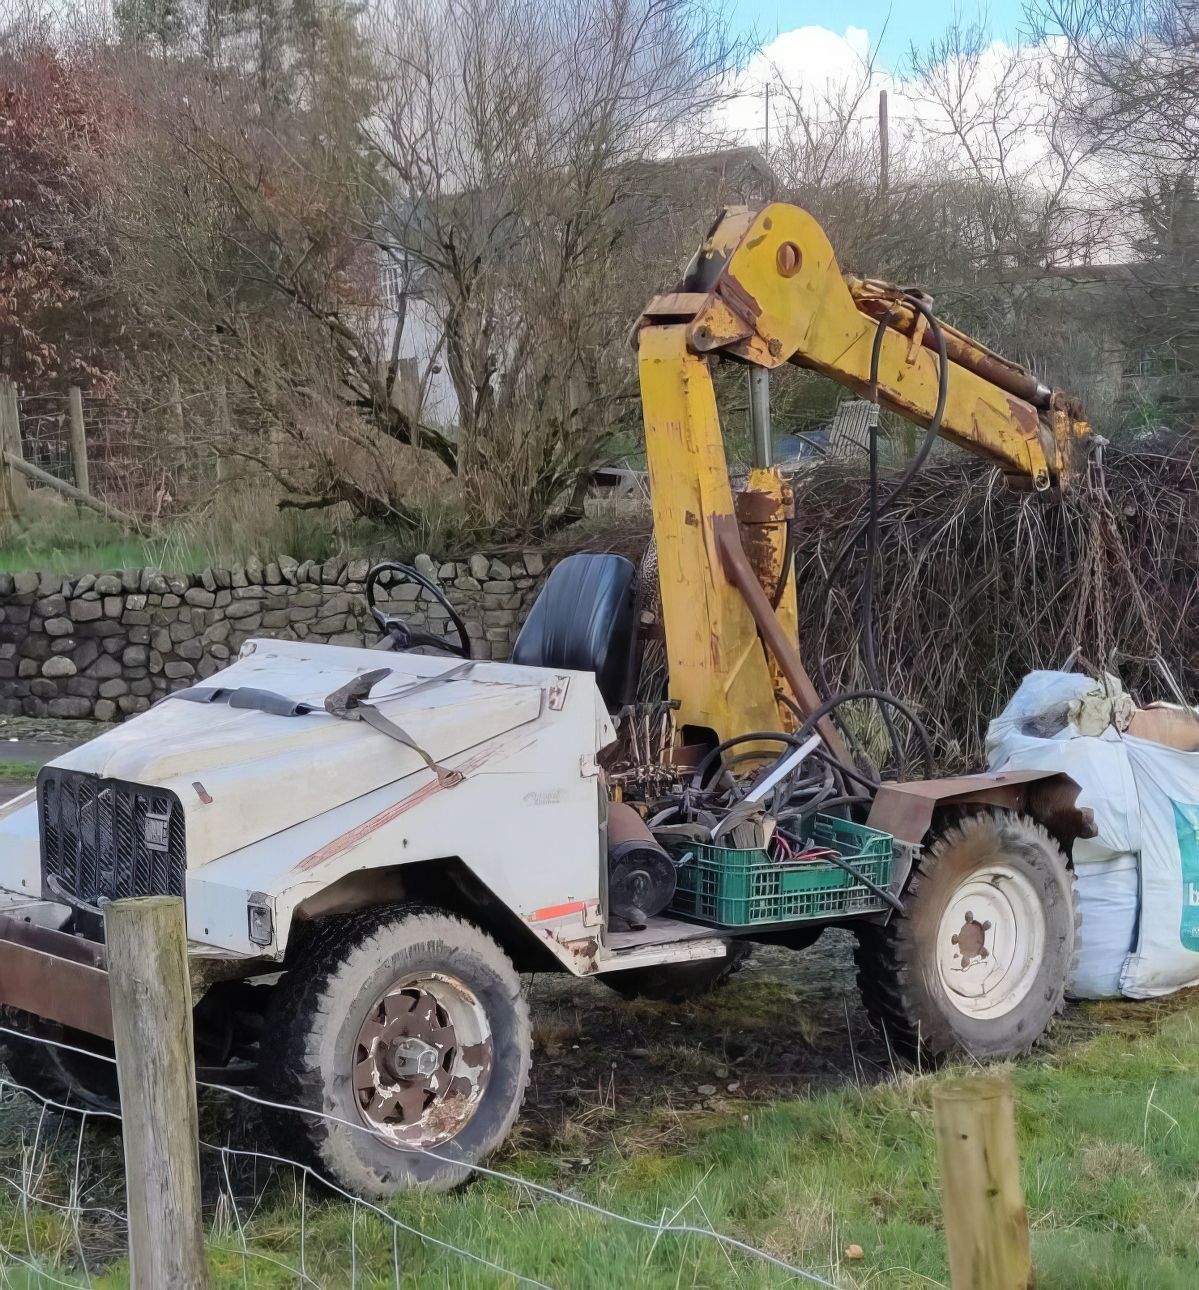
x,y
13,488
78,439
986,1225
224,464
152,1031
20,468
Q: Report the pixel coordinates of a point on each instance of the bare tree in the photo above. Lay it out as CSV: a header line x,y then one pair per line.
x,y
515,144
1000,117
494,160
1136,90
1132,96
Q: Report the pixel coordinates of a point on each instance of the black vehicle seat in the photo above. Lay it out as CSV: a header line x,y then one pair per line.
x,y
583,620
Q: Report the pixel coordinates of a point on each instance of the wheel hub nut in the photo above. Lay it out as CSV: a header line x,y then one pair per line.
x,y
971,940
412,1059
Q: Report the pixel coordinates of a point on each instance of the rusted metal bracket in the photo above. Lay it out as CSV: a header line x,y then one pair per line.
x,y
54,975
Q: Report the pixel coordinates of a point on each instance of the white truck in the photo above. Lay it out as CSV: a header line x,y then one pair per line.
x,y
371,845
406,893
359,901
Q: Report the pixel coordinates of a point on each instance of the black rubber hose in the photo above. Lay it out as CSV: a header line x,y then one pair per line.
x,y
839,766
876,509
778,736
879,696
871,785
866,648
881,892
930,438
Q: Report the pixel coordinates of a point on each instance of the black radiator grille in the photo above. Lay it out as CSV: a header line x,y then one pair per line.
x,y
104,838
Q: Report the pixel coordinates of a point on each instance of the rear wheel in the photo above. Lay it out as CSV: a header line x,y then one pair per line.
x,y
979,960
406,1027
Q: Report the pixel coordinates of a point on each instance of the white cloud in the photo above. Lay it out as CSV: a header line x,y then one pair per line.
x,y
815,67
811,63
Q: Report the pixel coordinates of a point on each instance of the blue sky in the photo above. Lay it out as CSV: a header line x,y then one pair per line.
x,y
918,21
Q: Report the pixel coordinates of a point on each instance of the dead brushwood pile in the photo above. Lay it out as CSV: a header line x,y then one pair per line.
x,y
977,584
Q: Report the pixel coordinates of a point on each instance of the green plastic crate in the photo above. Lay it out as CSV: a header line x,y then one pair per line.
x,y
742,888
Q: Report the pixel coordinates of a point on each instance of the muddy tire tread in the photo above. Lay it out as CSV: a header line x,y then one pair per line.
x,y
289,1070
885,955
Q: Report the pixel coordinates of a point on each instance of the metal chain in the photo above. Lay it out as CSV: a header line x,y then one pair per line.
x,y
1106,548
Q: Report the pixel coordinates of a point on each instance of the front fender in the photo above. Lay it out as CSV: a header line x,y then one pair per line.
x,y
525,820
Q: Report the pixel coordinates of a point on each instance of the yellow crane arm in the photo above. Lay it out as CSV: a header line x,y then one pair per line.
x,y
765,289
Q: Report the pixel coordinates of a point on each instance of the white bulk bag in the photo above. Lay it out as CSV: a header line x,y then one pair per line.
x,y
1138,878
1167,952
1108,905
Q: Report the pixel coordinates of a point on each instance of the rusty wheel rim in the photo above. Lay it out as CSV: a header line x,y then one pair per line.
x,y
422,1060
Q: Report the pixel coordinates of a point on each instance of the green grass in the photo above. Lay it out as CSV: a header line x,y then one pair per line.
x,y
1109,1147
69,559
55,536
18,771
1109,1143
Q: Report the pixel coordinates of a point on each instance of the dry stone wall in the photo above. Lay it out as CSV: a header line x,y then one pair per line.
x,y
107,645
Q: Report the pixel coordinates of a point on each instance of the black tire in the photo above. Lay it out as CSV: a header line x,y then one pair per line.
x,y
902,969
71,1080
312,1029
677,982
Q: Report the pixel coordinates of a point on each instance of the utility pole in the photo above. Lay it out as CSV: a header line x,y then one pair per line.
x,y
766,141
884,152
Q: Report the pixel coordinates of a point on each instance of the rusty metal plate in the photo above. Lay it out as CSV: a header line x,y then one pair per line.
x,y
50,985
906,810
957,785
51,941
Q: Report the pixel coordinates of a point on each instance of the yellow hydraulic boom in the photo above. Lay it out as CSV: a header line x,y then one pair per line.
x,y
765,289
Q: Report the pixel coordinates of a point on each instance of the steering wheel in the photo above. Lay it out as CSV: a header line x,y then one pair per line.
x,y
403,637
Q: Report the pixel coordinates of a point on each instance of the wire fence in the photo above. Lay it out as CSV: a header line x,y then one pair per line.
x,y
150,457
134,462
66,1223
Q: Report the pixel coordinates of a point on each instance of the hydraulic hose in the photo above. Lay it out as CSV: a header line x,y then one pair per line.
x,y
870,526
879,696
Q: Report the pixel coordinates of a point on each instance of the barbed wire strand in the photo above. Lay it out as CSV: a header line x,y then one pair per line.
x,y
42,1273
303,1223
25,1193
76,1195
17,1186
256,1155
354,1246
680,1229
245,1250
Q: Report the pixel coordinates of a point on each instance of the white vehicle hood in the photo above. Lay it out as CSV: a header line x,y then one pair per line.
x,y
243,775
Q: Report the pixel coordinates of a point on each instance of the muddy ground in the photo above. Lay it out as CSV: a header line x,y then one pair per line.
x,y
647,1075
787,1023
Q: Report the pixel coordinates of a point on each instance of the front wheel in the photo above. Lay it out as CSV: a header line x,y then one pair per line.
x,y
979,960
406,1028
